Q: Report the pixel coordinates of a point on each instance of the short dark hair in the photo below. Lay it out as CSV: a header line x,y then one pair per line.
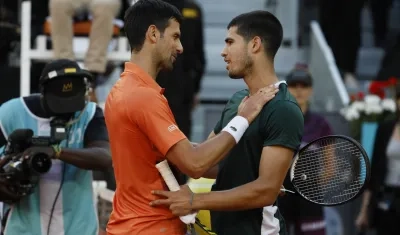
x,y
144,13
262,24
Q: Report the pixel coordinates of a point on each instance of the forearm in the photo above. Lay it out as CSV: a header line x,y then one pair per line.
x,y
365,201
248,196
212,173
94,158
210,153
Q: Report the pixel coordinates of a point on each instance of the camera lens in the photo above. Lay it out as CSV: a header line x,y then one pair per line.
x,y
40,163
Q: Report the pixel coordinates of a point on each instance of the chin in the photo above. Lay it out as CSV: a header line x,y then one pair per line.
x,y
235,75
168,67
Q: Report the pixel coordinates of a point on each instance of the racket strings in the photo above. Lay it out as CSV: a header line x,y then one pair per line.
x,y
330,171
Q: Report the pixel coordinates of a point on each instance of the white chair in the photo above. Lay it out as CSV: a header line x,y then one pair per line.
x,y
119,50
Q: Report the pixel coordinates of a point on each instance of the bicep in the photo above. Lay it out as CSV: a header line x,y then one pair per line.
x,y
178,154
274,165
286,132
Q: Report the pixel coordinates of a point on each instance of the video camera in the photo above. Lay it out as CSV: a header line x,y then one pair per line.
x,y
22,171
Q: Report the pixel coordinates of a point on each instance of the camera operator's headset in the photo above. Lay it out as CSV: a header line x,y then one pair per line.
x,y
87,77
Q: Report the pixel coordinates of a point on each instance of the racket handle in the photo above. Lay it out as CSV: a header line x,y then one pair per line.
x,y
173,185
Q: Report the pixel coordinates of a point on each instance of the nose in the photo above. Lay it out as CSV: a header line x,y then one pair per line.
x,y
223,52
179,48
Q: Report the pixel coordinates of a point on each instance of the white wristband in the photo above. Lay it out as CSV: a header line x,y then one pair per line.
x,y
236,127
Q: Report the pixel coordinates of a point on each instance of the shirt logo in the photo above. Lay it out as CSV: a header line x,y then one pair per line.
x,y
172,128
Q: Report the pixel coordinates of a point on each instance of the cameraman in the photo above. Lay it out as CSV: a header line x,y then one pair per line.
x,y
62,202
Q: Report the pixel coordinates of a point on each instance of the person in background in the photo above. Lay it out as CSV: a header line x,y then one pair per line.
x,y
380,207
380,14
307,218
344,40
182,84
103,12
62,201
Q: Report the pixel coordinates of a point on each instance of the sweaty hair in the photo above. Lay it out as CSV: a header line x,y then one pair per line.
x,y
262,24
144,13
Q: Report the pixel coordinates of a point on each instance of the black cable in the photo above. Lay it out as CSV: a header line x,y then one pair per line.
x,y
59,189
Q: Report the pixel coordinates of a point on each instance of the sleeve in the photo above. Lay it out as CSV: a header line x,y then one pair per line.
x,y
150,111
7,115
284,126
218,127
96,129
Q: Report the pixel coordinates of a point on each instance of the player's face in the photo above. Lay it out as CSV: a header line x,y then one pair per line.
x,y
301,92
236,55
169,45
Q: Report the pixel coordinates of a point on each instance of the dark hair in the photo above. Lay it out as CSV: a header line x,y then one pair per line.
x,y
262,24
144,13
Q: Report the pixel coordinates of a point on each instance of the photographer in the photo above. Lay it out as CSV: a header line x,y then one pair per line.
x,y
62,200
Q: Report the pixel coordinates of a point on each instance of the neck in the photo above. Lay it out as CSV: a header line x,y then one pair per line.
x,y
145,61
304,108
260,76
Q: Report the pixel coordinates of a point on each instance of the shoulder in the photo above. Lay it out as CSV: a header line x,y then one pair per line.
x,y
238,96
144,96
98,113
10,105
285,107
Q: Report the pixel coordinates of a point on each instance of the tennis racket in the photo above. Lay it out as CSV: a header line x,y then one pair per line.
x,y
330,171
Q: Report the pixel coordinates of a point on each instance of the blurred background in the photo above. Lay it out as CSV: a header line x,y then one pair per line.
x,y
350,47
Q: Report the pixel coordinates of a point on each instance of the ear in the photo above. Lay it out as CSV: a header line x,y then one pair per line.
x,y
256,44
153,34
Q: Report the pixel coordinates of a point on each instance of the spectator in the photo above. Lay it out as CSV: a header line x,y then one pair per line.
x,y
103,12
182,84
341,24
380,207
389,65
307,218
380,17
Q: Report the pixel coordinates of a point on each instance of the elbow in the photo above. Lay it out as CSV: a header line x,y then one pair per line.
x,y
266,196
106,162
194,171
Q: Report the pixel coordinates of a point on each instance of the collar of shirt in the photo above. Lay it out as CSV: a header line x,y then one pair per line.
x,y
143,76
